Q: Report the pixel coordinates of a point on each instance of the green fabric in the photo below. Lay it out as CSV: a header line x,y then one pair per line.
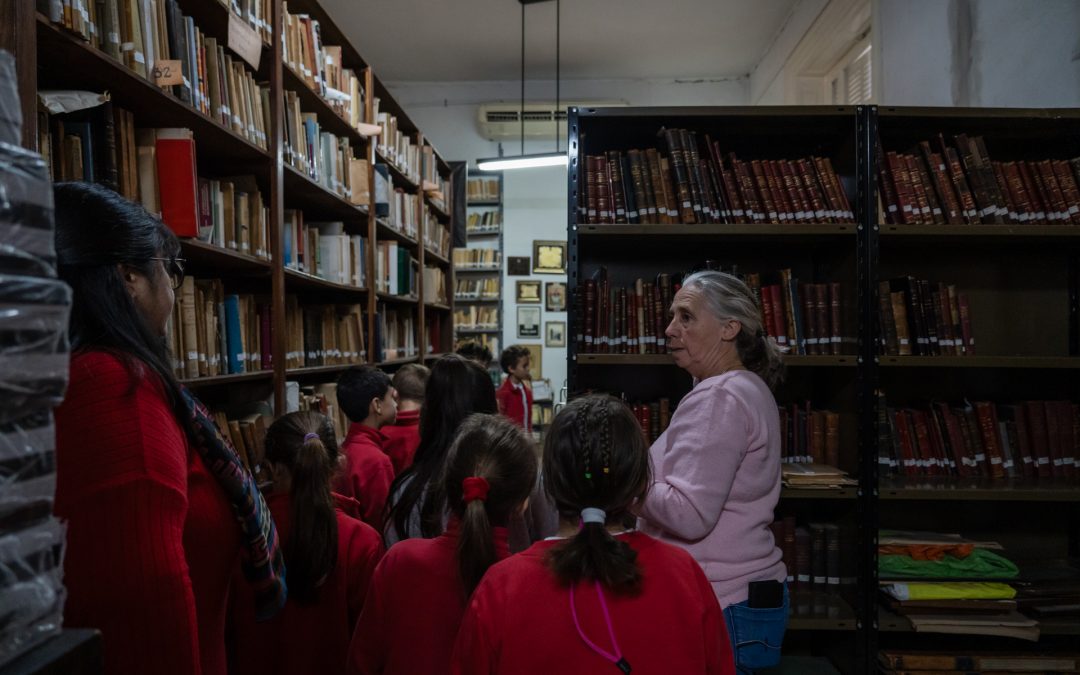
x,y
950,590
981,564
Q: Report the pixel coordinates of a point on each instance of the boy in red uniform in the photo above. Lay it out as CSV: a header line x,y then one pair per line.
x,y
367,399
514,396
420,588
330,556
403,435
598,598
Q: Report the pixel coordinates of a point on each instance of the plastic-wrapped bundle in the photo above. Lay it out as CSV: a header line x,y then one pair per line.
x,y
26,214
10,110
33,344
31,587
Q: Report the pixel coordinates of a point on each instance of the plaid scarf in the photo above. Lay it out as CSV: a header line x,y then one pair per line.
x,y
261,557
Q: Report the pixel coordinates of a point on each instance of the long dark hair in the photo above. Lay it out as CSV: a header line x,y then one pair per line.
x,y
312,546
96,231
492,448
595,456
456,388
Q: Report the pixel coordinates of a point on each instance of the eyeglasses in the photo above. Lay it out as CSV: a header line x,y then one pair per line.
x,y
174,267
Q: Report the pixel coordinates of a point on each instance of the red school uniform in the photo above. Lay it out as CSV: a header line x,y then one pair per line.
x,y
368,472
515,402
416,593
402,438
152,540
519,619
307,638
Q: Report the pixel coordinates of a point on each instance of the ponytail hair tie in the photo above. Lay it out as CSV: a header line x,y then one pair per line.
x,y
310,437
474,488
593,515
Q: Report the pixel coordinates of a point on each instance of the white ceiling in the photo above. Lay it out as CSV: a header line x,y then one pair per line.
x,y
455,40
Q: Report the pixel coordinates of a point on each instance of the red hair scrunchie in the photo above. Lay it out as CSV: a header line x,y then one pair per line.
x,y
474,488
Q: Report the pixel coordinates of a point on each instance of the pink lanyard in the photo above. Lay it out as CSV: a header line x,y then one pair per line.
x,y
617,657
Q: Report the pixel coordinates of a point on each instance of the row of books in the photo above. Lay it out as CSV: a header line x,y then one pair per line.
x,y
324,250
693,186
248,436
480,222
624,320
814,553
395,269
323,335
325,158
434,185
214,333
483,190
397,147
808,435
806,318
476,317
481,288
142,34
923,318
233,215
654,417
477,258
1027,439
403,210
436,235
320,398
395,333
321,68
898,662
941,183
434,285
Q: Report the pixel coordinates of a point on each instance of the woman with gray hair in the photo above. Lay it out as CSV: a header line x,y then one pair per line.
x,y
716,470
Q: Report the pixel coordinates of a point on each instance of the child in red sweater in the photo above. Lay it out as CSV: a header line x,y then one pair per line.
x,y
420,587
403,436
515,396
598,598
367,399
329,558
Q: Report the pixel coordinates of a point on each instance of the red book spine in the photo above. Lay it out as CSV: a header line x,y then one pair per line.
x,y
1039,437
990,438
779,329
965,323
179,192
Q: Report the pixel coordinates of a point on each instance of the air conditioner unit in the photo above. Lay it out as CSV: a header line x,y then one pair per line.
x,y
502,121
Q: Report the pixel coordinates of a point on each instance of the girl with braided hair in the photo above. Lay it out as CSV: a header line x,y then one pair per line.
x,y
421,587
716,469
597,598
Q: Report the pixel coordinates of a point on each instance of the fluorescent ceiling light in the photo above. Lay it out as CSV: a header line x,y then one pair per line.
x,y
522,161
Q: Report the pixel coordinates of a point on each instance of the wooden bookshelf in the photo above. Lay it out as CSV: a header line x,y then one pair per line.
x,y
1022,281
57,58
490,238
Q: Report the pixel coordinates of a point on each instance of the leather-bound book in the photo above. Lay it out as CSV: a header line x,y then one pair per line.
x,y
1001,212
984,411
1039,437
1068,185
960,184
887,319
688,143
761,181
679,168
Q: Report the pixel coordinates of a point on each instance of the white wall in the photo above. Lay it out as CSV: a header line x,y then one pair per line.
x,y
982,53
534,200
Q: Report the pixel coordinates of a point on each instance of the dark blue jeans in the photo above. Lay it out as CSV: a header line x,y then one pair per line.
x,y
756,634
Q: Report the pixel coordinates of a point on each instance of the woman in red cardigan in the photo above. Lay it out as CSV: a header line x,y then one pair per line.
x,y
420,587
598,598
331,557
159,506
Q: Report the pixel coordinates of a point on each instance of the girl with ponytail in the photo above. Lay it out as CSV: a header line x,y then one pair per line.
x,y
598,598
421,587
330,557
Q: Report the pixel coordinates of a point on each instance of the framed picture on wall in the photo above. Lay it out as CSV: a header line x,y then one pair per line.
x,y
528,322
555,296
528,291
536,366
518,266
555,334
549,257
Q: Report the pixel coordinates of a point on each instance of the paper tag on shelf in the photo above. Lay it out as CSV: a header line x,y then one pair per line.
x,y
1044,461
168,72
244,40
193,356
114,38
139,58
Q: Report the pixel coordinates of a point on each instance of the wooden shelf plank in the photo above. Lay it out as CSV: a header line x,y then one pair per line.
x,y
1046,362
398,362
429,254
815,493
84,67
400,299
475,270
476,331
300,280
819,610
320,203
435,356
219,380
484,233
476,301
312,371
1009,232
437,305
483,203
717,230
436,208
399,178
978,489
201,255
384,231
666,360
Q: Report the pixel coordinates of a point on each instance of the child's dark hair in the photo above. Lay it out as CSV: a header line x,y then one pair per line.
x,y
595,456
493,450
357,387
474,351
456,388
304,444
510,357
410,380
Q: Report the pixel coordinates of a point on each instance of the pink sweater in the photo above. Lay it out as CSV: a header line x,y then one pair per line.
x,y
716,481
